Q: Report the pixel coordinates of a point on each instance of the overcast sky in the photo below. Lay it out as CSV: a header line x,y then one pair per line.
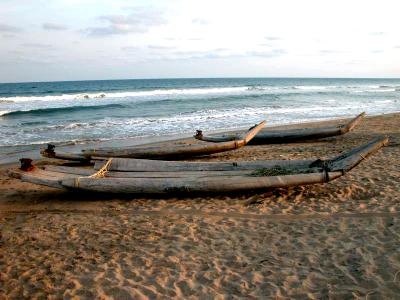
x,y
42,40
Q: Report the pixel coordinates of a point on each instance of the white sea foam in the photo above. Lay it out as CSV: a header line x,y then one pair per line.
x,y
376,90
151,93
311,87
199,91
192,119
4,112
387,90
385,101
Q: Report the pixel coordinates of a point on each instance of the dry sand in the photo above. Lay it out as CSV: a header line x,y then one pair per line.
x,y
338,240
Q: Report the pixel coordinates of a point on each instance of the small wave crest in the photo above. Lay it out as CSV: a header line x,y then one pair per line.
x,y
257,88
381,90
56,110
4,112
159,92
310,87
150,93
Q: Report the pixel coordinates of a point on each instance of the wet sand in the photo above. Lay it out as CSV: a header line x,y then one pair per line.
x,y
335,240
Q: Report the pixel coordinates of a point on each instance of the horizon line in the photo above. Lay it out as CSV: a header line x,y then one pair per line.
x,y
217,77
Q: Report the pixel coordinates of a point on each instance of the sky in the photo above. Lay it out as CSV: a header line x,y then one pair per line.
x,y
119,39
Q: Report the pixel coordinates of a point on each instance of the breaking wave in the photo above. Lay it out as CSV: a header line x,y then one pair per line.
x,y
150,93
56,110
202,91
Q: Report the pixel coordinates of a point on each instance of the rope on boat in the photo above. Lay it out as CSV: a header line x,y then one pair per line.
x,y
99,174
103,171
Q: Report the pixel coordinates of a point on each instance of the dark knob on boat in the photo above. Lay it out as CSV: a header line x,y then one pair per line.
x,y
49,151
199,133
26,164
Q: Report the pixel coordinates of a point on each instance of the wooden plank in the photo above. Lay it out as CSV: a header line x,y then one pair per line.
x,y
174,174
69,170
40,177
189,185
144,165
351,159
64,155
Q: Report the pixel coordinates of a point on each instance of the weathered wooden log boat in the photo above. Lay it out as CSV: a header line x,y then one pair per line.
x,y
269,136
158,152
122,175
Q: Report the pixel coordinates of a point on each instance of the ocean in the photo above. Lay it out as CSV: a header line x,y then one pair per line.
x,y
79,112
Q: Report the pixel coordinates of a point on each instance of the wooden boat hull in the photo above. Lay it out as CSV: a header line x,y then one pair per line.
x,y
268,136
124,176
158,152
217,184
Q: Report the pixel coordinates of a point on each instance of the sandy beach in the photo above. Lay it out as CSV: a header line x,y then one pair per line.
x,y
338,240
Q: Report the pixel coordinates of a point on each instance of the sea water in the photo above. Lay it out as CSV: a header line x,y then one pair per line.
x,y
88,111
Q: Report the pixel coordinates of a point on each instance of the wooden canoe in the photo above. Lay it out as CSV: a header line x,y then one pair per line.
x,y
268,136
121,175
157,152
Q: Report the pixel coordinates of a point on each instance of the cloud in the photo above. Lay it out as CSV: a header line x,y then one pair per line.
x,y
129,48
8,36
220,53
376,33
217,53
221,50
54,26
9,28
139,21
159,47
356,62
184,39
331,52
191,55
272,38
38,45
271,53
200,21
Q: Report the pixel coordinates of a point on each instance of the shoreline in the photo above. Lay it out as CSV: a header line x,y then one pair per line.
x,y
32,151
